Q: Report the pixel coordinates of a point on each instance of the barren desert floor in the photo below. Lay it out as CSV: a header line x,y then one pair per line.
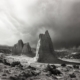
x,y
38,71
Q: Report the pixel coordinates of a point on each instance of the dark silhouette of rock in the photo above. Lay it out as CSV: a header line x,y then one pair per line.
x,y
72,75
27,50
17,49
21,48
49,67
32,68
76,66
6,62
36,73
16,63
46,50
63,65
53,70
53,66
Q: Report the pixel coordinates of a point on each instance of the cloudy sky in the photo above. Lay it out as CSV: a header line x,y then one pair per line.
x,y
25,19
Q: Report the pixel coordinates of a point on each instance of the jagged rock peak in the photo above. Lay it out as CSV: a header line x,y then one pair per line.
x,y
20,42
46,32
46,35
41,36
45,49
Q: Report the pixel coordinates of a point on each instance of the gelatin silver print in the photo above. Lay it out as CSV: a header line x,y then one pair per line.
x,y
39,39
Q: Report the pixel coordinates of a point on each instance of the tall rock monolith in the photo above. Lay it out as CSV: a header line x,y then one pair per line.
x,y
45,50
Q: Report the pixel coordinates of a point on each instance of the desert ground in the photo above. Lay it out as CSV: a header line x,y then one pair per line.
x,y
22,68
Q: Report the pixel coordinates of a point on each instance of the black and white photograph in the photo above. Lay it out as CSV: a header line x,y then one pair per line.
x,y
39,39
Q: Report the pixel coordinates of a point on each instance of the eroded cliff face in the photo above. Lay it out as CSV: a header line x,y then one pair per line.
x,y
45,50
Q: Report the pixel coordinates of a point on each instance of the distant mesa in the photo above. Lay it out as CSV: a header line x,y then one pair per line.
x,y
45,49
21,48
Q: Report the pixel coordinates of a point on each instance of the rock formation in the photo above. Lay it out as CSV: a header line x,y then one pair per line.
x,y
27,50
17,49
21,48
45,50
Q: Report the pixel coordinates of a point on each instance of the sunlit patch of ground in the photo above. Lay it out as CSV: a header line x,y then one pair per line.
x,y
23,59
70,60
7,71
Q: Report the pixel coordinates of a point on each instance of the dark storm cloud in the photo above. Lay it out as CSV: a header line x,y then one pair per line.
x,y
26,19
70,33
64,28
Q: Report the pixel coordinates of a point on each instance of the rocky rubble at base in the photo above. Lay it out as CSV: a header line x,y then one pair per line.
x,y
38,71
15,73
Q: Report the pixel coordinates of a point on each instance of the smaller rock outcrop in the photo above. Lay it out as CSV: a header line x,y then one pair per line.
x,y
17,49
16,63
27,50
53,70
22,49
